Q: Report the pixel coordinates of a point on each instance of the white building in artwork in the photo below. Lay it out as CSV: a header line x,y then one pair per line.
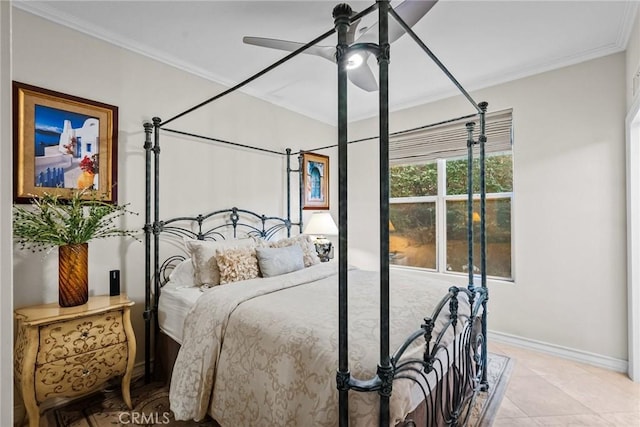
x,y
82,141
59,166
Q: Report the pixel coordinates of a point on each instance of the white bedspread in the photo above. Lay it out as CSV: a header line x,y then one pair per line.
x,y
263,352
173,306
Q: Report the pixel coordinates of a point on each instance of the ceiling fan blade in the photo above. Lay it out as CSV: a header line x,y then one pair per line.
x,y
326,52
411,11
363,77
351,34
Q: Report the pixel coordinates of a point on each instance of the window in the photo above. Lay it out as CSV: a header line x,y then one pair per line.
x,y
428,199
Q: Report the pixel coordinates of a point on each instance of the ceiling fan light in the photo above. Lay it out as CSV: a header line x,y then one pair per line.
x,y
354,61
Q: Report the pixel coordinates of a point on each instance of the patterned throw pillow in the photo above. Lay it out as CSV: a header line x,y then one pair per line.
x,y
237,264
310,256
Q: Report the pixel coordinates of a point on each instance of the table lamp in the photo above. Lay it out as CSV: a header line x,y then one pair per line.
x,y
321,224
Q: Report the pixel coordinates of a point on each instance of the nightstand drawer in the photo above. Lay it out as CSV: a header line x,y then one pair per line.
x,y
72,337
79,374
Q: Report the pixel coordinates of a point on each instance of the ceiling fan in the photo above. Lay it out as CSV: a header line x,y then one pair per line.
x,y
360,73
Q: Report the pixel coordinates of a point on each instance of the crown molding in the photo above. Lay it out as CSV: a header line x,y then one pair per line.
x,y
626,26
43,10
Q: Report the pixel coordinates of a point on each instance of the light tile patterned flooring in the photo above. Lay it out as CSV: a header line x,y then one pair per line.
x,y
544,390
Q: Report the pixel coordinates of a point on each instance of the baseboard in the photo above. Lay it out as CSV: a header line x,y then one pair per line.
x,y
598,360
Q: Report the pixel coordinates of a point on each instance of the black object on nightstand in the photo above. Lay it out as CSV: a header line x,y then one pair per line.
x,y
114,282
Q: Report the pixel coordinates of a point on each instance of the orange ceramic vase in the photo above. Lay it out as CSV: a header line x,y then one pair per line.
x,y
85,180
73,283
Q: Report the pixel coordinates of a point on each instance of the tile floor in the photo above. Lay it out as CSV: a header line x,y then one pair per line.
x,y
544,390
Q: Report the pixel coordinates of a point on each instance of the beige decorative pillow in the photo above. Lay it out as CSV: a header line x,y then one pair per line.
x,y
237,264
203,256
310,256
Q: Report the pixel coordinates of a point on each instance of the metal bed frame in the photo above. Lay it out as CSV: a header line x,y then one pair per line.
x,y
216,225
463,375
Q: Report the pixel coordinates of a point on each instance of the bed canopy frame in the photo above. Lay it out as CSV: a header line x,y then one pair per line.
x,y
473,350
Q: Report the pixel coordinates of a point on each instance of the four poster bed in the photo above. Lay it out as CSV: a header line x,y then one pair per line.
x,y
263,348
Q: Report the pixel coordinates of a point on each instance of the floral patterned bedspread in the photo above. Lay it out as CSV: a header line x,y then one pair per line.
x,y
263,352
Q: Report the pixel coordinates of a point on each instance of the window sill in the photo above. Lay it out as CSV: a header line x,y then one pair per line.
x,y
457,277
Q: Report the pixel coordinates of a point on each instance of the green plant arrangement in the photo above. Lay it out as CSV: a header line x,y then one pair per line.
x,y
68,224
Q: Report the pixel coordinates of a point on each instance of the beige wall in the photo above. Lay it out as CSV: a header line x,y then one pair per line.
x,y
196,177
633,59
569,204
633,198
6,315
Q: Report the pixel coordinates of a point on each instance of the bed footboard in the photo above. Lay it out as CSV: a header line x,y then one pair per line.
x,y
450,372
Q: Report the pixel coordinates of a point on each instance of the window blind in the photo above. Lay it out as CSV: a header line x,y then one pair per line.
x,y
448,140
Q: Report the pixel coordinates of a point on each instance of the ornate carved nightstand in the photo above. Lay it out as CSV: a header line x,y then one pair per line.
x,y
69,352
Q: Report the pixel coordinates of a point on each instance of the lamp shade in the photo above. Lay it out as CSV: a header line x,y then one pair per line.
x,y
321,224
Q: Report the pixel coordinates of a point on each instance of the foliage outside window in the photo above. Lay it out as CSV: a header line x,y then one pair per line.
x,y
428,214
412,238
414,180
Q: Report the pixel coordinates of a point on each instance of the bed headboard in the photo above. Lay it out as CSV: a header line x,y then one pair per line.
x,y
224,224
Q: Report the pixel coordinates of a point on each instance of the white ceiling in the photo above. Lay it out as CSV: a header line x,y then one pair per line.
x,y
481,42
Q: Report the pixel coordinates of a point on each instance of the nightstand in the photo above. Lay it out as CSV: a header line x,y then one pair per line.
x,y
72,351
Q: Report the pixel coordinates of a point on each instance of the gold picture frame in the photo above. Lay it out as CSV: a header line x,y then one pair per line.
x,y
63,143
315,176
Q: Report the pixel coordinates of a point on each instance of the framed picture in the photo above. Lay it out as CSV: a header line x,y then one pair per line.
x,y
315,175
63,143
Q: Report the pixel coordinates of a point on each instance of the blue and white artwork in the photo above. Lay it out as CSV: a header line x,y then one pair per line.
x,y
315,173
66,145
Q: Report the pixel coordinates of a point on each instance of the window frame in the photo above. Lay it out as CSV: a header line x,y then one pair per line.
x,y
440,200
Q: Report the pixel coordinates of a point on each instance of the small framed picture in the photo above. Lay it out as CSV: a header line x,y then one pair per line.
x,y
315,175
63,143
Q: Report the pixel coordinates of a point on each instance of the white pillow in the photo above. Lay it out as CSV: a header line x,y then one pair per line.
x,y
309,254
203,256
182,274
277,261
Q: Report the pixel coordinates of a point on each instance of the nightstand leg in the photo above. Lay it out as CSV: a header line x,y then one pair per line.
x,y
126,391
33,412
27,383
131,356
